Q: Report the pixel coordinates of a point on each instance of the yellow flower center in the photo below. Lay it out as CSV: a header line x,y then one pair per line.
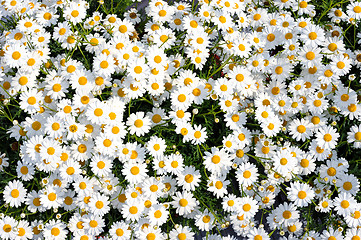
x,y
302,194
219,184
206,219
345,204
134,170
216,159
133,210
331,171
183,202
15,193
327,137
246,207
247,174
287,214
55,231
283,161
157,214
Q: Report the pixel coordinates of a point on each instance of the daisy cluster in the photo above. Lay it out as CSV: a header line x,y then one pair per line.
x,y
188,117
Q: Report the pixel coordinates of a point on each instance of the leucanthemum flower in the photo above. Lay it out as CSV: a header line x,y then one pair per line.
x,y
7,225
15,55
284,162
348,183
158,215
161,12
300,129
93,224
310,56
223,87
135,172
223,20
217,161
271,126
105,145
199,135
327,137
235,120
99,204
354,136
306,164
353,219
184,202
83,184
23,81
325,205
343,204
29,100
120,231
82,80
248,207
301,194
75,12
55,230
14,193
101,165
331,170
192,23
258,233
132,209
340,64
247,174
81,150
50,150
286,214
164,38
24,231
152,188
263,113
115,131
104,64
258,17
156,146
181,233
312,35
182,98
354,10
280,69
32,62
74,130
333,44
189,179
174,164
337,14
204,220
353,233
179,116
25,170
138,123
230,203
155,86
51,197
69,203
217,184
138,69
198,58
316,105
156,59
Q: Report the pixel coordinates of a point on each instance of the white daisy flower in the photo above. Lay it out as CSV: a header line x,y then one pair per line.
x,y
138,123
14,193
